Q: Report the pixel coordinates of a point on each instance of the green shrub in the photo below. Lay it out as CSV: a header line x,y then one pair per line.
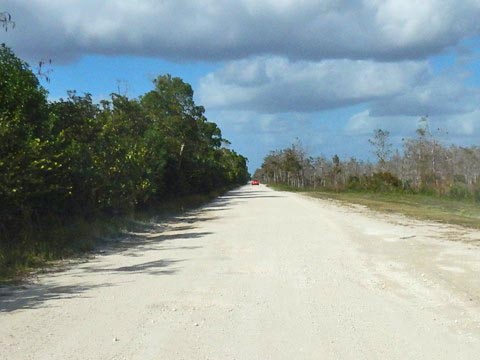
x,y
459,191
476,195
354,183
383,181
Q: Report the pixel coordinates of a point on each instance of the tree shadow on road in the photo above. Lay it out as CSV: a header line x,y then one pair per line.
x,y
149,241
235,195
154,235
156,267
35,296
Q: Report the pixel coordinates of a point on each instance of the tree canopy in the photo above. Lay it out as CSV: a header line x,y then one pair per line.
x,y
75,158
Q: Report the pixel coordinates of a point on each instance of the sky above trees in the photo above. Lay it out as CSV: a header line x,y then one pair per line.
x,y
327,72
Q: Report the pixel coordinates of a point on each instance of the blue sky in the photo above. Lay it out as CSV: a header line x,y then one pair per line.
x,y
269,72
101,75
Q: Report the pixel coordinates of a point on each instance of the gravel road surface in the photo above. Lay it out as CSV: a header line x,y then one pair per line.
x,y
259,274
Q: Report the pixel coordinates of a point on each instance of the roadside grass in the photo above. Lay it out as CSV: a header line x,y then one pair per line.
x,y
419,206
42,248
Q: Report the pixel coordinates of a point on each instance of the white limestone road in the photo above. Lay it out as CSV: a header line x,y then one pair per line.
x,y
259,274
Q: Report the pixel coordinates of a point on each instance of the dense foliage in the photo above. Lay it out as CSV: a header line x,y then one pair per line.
x,y
74,158
424,166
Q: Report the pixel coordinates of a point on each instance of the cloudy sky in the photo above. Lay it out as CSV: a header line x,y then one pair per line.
x,y
328,72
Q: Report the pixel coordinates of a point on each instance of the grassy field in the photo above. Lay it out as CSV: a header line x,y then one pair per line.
x,y
423,207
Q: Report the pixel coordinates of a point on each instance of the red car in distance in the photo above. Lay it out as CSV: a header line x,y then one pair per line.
x,y
255,182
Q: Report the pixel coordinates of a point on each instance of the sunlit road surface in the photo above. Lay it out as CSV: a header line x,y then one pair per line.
x,y
259,274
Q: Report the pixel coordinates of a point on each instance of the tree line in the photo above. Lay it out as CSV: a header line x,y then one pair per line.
x,y
424,165
74,158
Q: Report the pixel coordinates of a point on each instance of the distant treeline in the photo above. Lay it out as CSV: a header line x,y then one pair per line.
x,y
423,166
74,158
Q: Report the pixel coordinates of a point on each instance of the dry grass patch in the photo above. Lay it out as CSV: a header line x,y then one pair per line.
x,y
423,207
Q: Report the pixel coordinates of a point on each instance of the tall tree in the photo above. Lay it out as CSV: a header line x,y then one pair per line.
x,y
382,147
23,137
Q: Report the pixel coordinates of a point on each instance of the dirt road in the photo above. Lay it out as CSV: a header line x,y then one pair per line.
x,y
262,275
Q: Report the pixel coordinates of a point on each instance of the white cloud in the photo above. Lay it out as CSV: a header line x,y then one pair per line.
x,y
278,85
275,85
233,29
360,124
437,96
467,124
450,128
364,124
